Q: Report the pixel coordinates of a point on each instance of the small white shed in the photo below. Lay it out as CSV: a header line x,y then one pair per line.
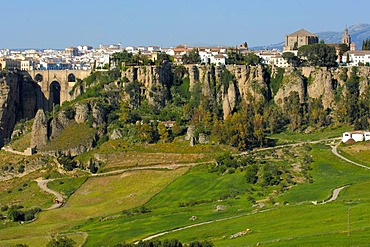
x,y
358,136
346,136
367,136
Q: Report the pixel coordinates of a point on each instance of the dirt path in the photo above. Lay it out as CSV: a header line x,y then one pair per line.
x,y
199,224
292,145
42,183
335,152
333,197
169,167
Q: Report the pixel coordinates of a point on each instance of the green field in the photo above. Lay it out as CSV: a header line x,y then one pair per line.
x,y
134,205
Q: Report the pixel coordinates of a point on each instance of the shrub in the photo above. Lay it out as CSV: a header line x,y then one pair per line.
x,y
21,168
61,241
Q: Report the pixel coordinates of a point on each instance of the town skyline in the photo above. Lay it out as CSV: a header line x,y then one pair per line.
x,y
47,24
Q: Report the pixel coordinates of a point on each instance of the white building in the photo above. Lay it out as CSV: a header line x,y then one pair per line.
x,y
273,57
355,58
357,136
218,59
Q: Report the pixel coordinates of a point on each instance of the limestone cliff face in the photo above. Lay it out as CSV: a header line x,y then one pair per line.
x,y
19,98
292,82
149,75
364,74
321,85
247,82
39,134
250,81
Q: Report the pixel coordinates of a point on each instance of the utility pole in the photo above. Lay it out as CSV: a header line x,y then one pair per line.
x,y
349,222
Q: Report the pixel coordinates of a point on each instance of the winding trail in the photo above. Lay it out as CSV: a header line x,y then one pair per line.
x,y
42,183
333,197
138,168
335,152
199,224
297,144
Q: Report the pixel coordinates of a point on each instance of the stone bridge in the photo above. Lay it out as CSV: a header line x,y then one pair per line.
x,y
56,84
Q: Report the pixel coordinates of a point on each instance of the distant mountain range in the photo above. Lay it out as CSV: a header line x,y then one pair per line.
x,y
358,32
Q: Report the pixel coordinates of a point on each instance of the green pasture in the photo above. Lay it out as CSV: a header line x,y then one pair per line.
x,y
319,134
67,186
97,197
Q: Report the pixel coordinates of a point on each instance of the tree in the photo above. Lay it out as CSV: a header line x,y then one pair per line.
x,y
292,59
318,55
251,174
252,59
172,243
366,44
162,57
61,241
133,89
192,58
343,48
163,133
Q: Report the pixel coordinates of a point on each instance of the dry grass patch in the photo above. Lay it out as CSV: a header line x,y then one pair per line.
x,y
22,143
129,159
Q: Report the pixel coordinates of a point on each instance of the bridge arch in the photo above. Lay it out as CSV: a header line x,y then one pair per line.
x,y
54,98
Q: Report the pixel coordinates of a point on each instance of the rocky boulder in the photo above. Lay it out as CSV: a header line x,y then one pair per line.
x,y
39,134
116,134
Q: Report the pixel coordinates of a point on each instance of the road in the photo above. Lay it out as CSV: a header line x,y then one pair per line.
x,y
200,224
335,152
292,145
42,183
137,168
334,195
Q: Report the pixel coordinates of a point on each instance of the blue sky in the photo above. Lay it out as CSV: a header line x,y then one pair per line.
x,y
57,24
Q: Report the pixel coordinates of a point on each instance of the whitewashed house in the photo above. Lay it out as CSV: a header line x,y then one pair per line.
x,y
346,137
355,58
357,136
367,136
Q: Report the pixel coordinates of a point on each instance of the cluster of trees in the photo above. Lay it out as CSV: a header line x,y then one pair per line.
x,y
67,162
351,107
234,56
366,44
192,58
16,214
167,243
254,171
124,58
320,55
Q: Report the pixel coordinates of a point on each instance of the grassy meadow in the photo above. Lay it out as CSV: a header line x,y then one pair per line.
x,y
133,205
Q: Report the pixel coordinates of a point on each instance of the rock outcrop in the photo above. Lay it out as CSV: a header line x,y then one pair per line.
x,y
20,98
292,82
82,113
39,134
321,85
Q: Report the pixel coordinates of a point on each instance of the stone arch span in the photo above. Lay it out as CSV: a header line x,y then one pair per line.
x,y
66,79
